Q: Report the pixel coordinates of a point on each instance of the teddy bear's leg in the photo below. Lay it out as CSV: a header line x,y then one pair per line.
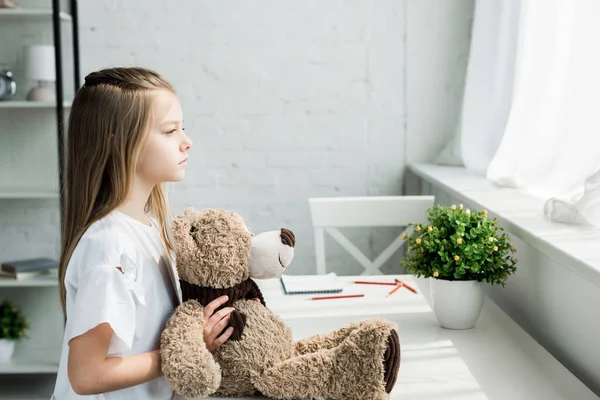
x,y
363,366
188,366
327,340
299,377
368,362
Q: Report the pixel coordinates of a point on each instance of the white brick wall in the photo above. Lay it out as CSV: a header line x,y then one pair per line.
x,y
286,100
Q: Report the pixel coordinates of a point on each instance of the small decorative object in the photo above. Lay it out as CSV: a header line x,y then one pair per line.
x,y
13,326
39,66
8,86
459,249
7,4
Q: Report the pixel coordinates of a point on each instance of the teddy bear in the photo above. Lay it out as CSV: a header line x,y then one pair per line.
x,y
216,254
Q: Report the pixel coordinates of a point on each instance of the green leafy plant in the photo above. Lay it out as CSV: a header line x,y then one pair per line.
x,y
460,245
13,324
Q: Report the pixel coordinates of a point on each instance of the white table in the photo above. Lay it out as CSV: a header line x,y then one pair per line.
x,y
496,360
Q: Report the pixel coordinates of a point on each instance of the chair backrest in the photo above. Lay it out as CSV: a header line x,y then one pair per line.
x,y
330,213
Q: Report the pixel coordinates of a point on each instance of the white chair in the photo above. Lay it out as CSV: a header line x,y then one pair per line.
x,y
330,213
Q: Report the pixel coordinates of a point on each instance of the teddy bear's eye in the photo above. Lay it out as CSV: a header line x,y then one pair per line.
x,y
193,230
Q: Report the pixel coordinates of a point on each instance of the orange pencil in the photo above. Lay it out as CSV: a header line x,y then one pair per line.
x,y
406,286
375,283
345,296
400,285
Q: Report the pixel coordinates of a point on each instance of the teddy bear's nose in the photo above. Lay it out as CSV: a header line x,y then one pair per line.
x,y
287,237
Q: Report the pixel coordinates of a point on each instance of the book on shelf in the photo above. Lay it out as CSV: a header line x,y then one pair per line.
x,y
27,268
311,284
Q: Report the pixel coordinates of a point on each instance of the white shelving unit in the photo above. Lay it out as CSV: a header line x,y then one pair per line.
x,y
30,14
31,104
38,355
49,280
30,364
29,183
8,193
11,388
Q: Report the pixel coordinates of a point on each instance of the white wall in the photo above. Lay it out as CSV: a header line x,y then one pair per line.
x,y
286,100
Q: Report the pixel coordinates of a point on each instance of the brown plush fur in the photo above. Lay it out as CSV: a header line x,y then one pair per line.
x,y
185,359
347,364
212,248
267,341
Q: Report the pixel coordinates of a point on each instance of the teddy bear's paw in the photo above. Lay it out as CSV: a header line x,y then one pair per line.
x,y
237,321
391,361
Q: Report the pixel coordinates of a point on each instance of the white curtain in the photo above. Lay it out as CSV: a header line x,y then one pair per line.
x,y
531,112
489,82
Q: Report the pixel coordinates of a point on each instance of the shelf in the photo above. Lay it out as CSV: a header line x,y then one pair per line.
x,y
18,394
39,353
24,13
27,194
20,365
42,280
31,104
27,387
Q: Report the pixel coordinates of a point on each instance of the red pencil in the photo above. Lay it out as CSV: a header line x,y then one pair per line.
x,y
400,285
345,296
375,283
406,286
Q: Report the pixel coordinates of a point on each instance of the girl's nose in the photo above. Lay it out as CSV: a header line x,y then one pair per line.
x,y
187,143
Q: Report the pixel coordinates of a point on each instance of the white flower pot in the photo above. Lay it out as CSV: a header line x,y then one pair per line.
x,y
7,348
456,304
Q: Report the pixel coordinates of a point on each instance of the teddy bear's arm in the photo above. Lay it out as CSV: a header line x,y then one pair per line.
x,y
188,366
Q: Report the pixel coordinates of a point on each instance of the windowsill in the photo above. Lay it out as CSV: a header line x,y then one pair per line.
x,y
573,246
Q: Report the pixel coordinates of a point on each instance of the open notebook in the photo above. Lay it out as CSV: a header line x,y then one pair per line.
x,y
311,284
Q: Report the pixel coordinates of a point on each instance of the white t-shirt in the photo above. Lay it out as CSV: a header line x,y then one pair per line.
x,y
136,300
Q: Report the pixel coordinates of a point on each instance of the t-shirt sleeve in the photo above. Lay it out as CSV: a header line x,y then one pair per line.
x,y
102,282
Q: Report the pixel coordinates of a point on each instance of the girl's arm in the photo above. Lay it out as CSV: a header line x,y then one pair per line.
x,y
90,371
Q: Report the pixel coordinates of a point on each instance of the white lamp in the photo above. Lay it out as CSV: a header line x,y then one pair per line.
x,y
39,66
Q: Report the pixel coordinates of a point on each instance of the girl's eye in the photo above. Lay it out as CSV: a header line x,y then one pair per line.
x,y
174,130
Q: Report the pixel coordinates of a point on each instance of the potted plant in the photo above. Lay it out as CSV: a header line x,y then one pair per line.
x,y
13,326
460,250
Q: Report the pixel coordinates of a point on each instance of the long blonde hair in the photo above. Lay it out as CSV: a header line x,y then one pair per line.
x,y
109,119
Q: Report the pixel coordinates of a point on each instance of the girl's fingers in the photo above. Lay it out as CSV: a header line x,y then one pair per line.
x,y
223,338
216,322
218,328
213,305
217,317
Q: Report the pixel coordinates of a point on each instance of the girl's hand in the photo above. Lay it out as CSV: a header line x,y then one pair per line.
x,y
216,322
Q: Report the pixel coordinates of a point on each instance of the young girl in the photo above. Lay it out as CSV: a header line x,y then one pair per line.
x,y
117,279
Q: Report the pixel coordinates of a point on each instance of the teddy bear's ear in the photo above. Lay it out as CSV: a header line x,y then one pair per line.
x,y
182,235
189,212
213,248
